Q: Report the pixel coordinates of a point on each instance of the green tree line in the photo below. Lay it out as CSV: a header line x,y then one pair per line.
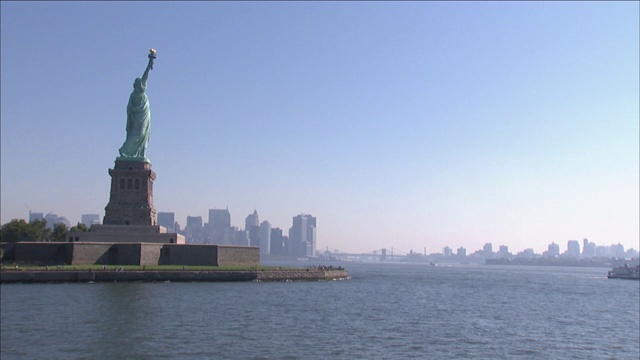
x,y
37,230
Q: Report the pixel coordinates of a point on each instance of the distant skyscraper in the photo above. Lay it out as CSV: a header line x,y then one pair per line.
x,y
194,221
630,253
527,253
52,219
193,232
603,251
277,245
219,226
462,252
254,236
302,236
487,250
65,221
239,237
33,216
446,251
265,238
618,250
251,220
552,250
573,248
588,249
90,219
167,219
503,251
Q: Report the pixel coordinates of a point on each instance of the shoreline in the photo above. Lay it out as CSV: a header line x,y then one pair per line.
x,y
88,276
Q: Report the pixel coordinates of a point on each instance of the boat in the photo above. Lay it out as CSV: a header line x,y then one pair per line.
x,y
625,272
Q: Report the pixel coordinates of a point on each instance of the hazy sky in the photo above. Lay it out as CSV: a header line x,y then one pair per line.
x,y
411,124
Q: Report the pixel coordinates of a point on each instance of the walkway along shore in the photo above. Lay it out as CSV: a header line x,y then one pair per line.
x,y
70,276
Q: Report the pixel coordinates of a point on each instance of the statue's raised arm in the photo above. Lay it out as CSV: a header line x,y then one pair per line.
x,y
152,56
138,118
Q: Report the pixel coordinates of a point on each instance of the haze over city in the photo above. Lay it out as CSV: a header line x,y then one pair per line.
x,y
410,125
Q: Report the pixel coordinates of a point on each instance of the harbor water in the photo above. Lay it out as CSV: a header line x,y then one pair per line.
x,y
384,311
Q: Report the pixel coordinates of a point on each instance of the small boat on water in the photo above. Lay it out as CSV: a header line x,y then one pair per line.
x,y
625,272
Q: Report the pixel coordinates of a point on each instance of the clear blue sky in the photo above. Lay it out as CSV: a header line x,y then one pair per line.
x,y
411,124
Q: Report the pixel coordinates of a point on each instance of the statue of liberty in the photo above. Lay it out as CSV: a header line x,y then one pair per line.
x,y
138,118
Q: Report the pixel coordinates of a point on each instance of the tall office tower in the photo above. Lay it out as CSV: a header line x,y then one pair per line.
x,y
167,219
589,250
251,221
194,221
33,216
287,245
446,251
573,248
239,237
277,245
617,250
503,251
193,232
90,219
302,236
52,219
219,225
462,252
254,236
552,250
65,221
527,253
265,238
603,251
487,250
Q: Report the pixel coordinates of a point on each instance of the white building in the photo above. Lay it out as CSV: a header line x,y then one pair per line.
x,y
265,238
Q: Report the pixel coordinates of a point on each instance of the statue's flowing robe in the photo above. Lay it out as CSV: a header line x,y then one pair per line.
x,y
138,123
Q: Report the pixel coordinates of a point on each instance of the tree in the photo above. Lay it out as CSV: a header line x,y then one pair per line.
x,y
79,228
14,231
38,231
20,230
59,233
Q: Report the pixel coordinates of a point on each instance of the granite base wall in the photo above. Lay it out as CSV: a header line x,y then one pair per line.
x,y
95,253
126,234
205,255
43,253
76,253
150,254
238,255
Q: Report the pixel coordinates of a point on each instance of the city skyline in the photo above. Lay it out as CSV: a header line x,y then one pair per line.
x,y
418,124
252,220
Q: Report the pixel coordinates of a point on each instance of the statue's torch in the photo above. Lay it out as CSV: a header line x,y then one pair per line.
x,y
152,56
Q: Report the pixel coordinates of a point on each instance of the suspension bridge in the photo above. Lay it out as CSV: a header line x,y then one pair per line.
x,y
381,255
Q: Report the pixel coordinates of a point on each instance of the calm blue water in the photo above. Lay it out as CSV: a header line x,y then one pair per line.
x,y
385,311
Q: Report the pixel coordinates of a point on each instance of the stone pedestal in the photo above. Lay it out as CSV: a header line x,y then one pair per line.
x,y
126,234
131,199
129,216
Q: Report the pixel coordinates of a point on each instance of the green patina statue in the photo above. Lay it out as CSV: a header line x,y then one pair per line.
x,y
138,118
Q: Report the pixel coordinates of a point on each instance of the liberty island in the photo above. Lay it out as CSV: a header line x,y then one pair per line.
x,y
130,234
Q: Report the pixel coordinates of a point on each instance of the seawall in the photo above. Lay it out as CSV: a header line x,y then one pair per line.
x,y
71,276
